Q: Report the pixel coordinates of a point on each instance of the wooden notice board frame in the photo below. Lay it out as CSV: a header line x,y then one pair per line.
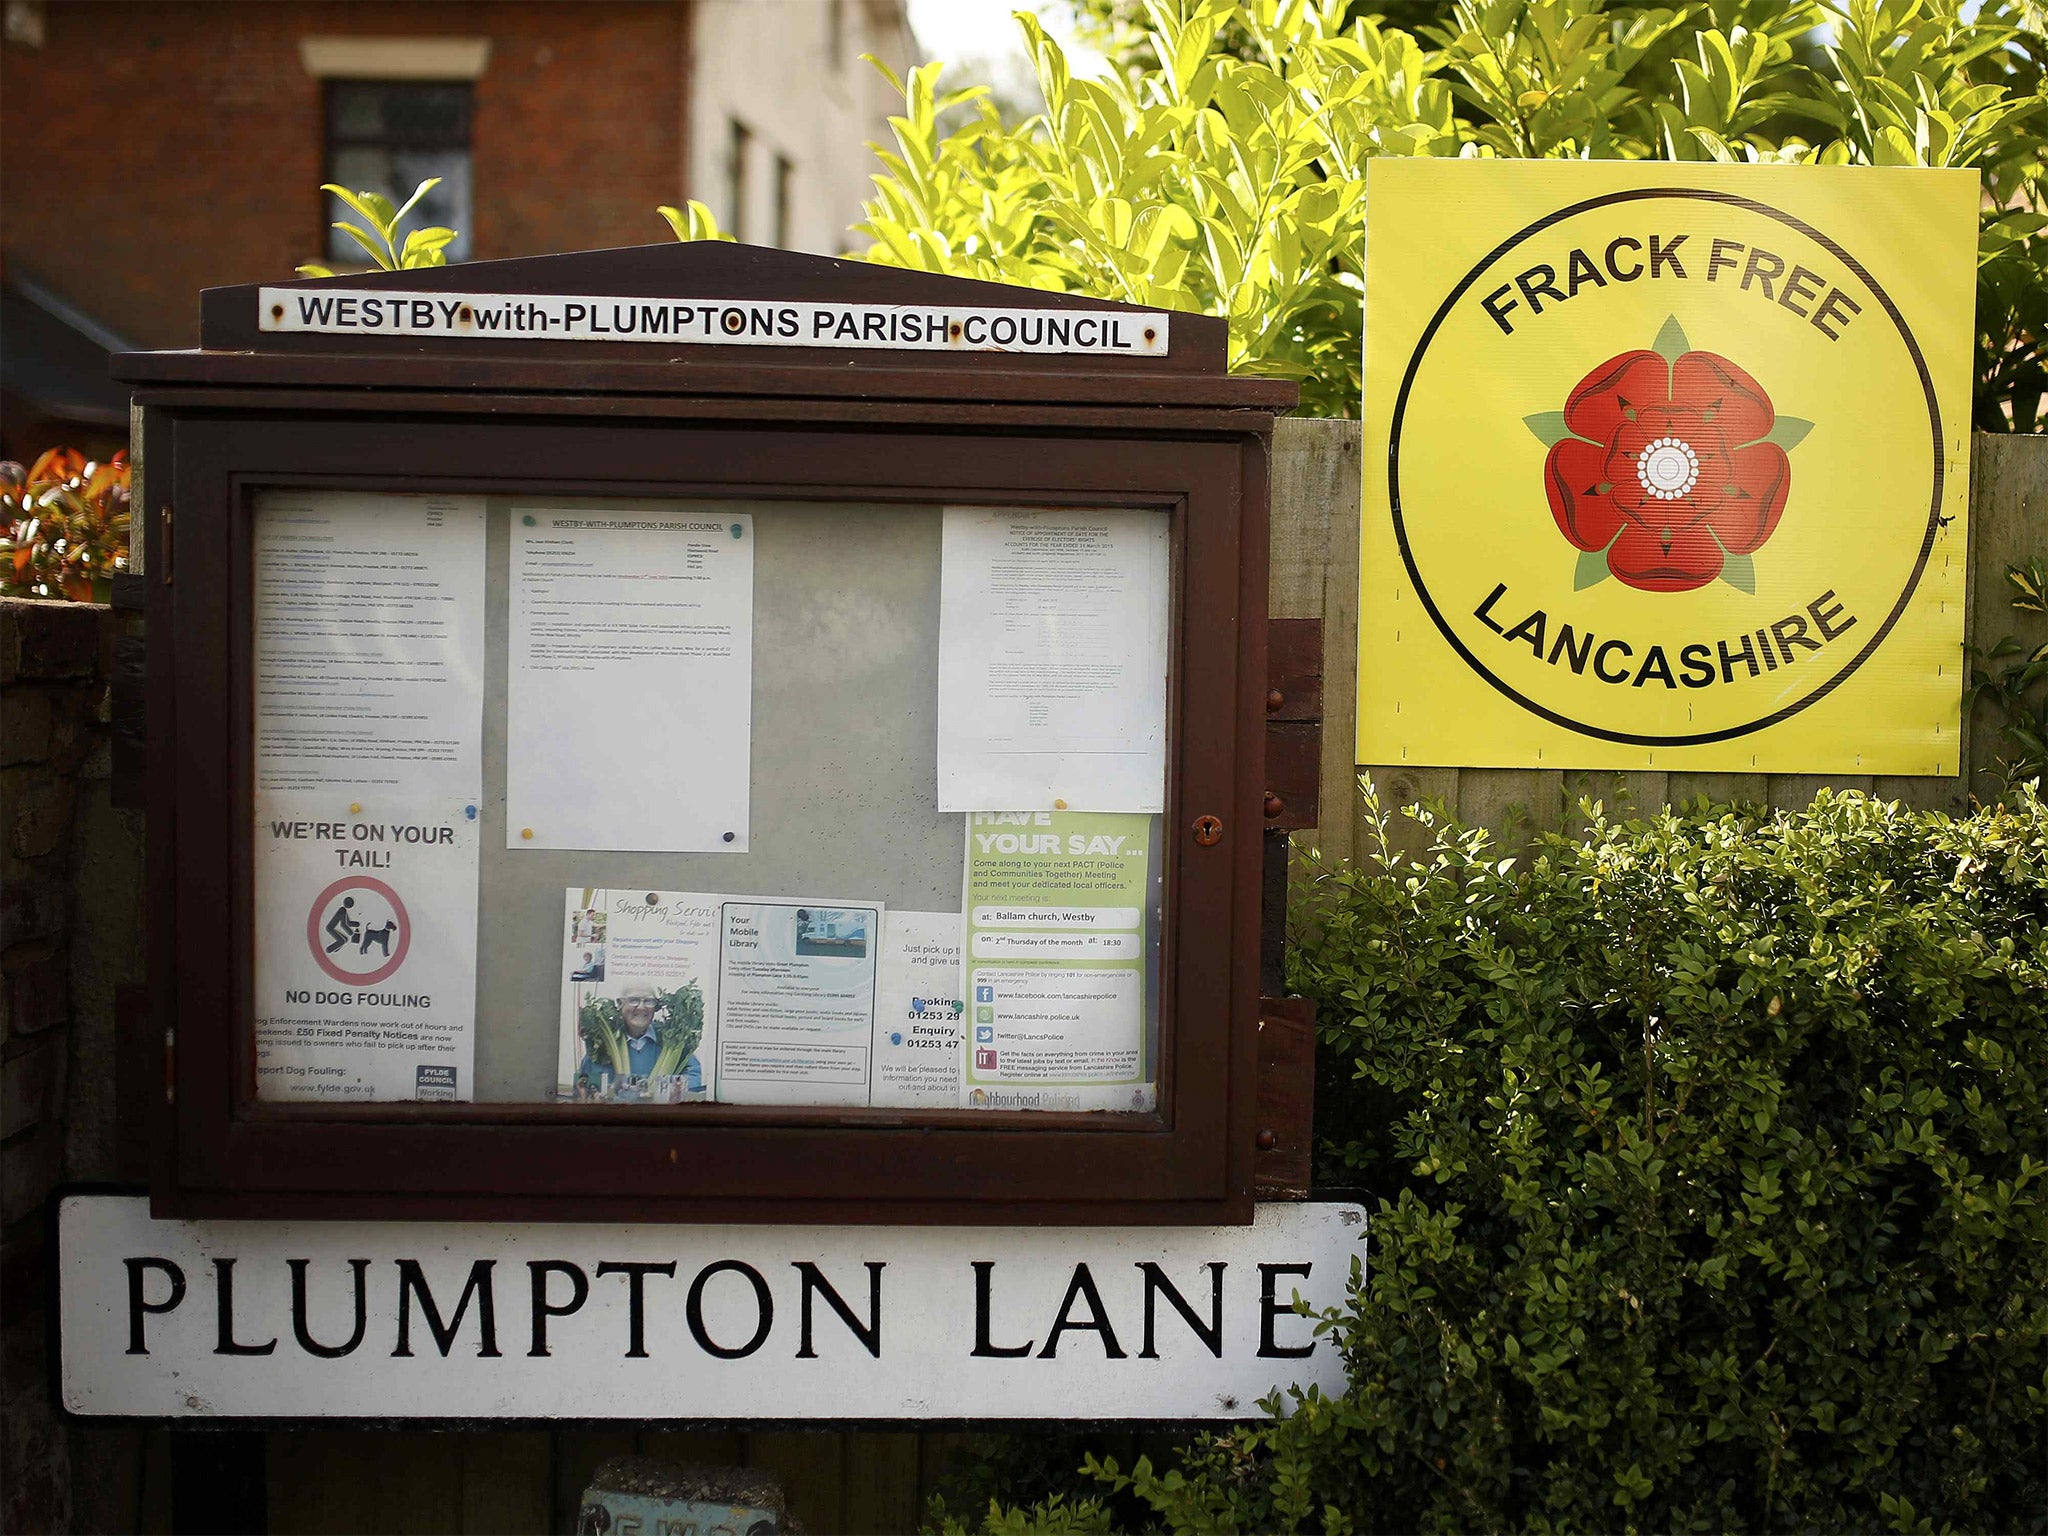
x,y
254,408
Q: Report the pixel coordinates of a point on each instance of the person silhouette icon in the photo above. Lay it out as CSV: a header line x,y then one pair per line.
x,y
341,927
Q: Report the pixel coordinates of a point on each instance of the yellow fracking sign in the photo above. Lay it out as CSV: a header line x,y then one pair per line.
x,y
1665,466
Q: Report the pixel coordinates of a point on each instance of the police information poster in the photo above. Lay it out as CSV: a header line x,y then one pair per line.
x,y
365,949
1666,465
639,996
1057,960
919,1013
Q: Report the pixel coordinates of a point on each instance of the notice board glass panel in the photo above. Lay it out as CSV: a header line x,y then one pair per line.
x,y
839,816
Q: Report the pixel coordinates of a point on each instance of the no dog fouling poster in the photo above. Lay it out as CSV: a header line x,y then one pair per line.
x,y
365,950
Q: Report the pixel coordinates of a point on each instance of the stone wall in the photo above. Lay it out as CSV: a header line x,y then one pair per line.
x,y
70,935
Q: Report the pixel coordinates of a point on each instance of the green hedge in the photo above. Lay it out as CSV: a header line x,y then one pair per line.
x,y
1707,1154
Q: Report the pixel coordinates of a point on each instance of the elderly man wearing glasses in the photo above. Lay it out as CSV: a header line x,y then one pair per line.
x,y
636,1061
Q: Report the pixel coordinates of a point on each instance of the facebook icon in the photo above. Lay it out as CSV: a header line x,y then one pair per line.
x,y
984,993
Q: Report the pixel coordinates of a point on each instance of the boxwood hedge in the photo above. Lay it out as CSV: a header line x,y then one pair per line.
x,y
1706,1153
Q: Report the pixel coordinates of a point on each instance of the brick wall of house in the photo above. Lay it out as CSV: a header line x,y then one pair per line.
x,y
148,150
70,936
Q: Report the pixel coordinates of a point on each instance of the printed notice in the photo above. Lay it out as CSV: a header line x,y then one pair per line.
x,y
639,996
1052,660
630,696
796,1001
1055,971
919,1022
365,950
369,640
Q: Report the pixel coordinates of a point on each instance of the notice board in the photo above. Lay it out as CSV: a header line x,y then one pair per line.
x,y
831,784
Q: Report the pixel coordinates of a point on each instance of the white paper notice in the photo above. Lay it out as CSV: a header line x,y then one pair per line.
x,y
370,643
365,950
630,697
639,996
1052,660
796,1001
918,1013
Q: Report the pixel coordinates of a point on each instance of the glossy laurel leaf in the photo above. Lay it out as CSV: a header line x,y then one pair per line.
x,y
380,242
1253,125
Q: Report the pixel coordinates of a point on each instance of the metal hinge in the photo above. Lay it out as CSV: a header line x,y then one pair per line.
x,y
163,543
170,1066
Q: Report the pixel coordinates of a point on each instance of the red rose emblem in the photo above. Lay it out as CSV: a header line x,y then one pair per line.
x,y
1670,466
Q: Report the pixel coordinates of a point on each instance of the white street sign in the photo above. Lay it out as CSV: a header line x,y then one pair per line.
x,y
419,1320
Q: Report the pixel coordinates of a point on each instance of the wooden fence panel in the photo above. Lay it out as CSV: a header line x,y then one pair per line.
x,y
882,1484
1316,468
340,1482
849,1482
506,1480
2008,526
1314,575
811,1466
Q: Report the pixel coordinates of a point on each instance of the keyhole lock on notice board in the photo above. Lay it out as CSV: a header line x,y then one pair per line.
x,y
1208,831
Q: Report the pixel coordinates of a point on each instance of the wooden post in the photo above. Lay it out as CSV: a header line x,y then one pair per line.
x,y
2008,526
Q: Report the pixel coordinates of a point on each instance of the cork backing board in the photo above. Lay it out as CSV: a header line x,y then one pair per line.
x,y
845,713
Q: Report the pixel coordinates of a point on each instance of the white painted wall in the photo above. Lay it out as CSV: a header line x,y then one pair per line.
x,y
769,64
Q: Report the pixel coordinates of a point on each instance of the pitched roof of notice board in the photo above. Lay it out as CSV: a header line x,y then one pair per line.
x,y
703,317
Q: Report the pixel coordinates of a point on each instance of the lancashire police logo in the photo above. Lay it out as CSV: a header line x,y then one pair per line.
x,y
1667,468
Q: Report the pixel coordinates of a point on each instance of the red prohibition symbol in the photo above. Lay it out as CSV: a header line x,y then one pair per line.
x,y
403,938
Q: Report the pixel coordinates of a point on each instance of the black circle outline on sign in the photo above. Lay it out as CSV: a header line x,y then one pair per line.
x,y
1636,738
